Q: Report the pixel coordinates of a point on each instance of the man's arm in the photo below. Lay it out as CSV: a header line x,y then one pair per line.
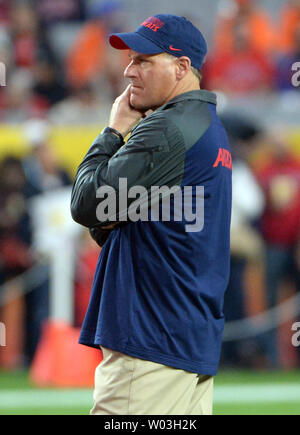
x,y
84,189
154,155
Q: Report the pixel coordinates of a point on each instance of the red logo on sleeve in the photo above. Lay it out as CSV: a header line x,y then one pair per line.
x,y
225,158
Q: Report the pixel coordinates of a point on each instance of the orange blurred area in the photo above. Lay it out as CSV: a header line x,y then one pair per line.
x,y
60,361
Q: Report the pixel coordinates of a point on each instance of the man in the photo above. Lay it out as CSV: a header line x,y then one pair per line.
x,y
156,303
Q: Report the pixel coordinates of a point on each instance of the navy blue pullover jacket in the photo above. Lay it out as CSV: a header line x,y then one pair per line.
x,y
159,284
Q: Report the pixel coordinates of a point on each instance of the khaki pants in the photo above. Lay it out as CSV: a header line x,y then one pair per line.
x,y
125,385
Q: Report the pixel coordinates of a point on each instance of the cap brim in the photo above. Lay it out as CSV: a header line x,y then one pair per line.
x,y
133,41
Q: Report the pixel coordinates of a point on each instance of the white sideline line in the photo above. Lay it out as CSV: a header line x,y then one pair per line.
x,y
77,398
44,398
257,393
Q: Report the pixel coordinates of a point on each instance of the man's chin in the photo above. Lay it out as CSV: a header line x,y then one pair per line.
x,y
138,105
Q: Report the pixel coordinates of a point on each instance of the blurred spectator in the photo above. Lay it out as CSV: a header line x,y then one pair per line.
x,y
5,11
45,173
284,70
15,231
48,82
280,225
240,71
86,264
18,103
6,58
41,165
289,25
5,48
15,243
246,243
53,11
90,58
83,107
255,19
24,27
28,37
26,51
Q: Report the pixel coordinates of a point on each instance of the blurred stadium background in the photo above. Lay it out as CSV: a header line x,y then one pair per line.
x,y
59,82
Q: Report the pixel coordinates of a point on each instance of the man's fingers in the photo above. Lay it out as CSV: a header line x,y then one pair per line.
x,y
109,227
127,92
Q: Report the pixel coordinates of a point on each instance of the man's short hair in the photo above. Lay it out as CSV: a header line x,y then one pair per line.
x,y
197,73
194,70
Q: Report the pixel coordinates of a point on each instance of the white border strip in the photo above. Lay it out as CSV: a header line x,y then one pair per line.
x,y
68,399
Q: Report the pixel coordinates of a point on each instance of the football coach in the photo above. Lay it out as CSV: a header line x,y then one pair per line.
x,y
157,298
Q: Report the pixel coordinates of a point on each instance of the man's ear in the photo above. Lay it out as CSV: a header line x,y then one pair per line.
x,y
183,66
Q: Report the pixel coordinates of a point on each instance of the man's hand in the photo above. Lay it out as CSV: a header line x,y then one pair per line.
x,y
99,235
110,227
123,117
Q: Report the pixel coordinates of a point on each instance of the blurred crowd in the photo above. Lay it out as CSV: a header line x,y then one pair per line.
x,y
265,235
58,72
67,75
251,53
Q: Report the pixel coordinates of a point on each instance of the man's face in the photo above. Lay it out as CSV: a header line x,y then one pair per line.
x,y
153,79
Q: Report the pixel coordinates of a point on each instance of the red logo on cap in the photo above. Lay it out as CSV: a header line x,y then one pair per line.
x,y
174,49
153,23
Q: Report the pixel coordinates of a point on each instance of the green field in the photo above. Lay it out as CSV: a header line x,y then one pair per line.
x,y
236,392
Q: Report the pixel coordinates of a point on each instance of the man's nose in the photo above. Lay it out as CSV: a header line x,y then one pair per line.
x,y
130,71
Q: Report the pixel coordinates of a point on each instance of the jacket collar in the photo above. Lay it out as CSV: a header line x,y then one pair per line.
x,y
202,95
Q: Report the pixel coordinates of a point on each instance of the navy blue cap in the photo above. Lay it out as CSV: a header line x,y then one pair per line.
x,y
164,33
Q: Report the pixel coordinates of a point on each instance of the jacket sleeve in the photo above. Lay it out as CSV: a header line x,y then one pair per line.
x,y
153,155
